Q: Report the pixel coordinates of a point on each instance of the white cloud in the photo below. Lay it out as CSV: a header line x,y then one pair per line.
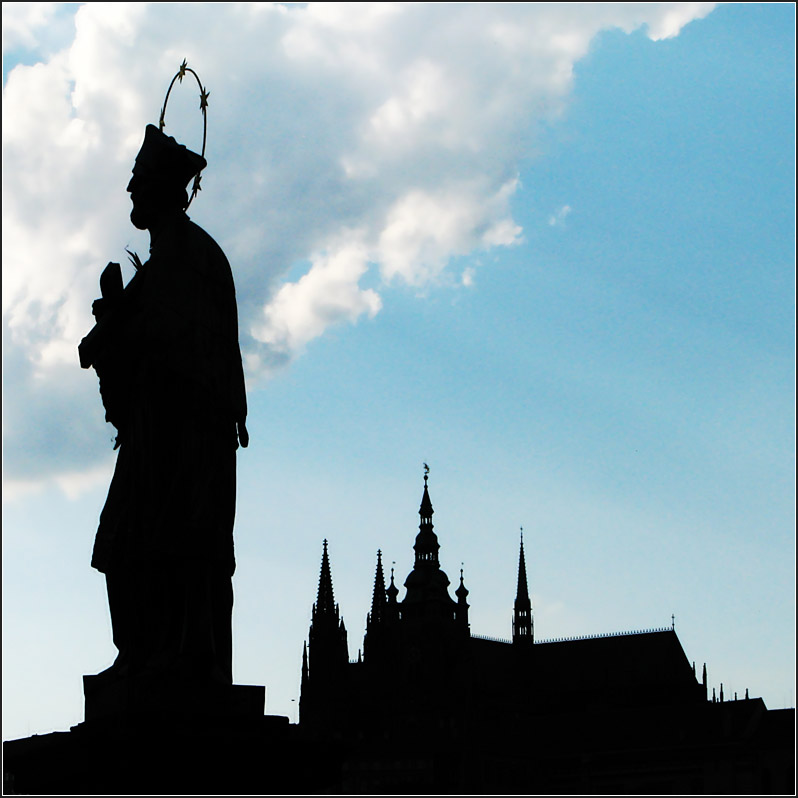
x,y
327,294
23,21
365,141
671,22
424,229
557,219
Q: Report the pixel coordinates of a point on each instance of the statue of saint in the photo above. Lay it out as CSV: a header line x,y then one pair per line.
x,y
165,348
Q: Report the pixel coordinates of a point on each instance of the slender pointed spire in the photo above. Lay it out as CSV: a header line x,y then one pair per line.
x,y
523,587
380,621
325,601
304,687
327,630
523,623
378,599
326,655
426,511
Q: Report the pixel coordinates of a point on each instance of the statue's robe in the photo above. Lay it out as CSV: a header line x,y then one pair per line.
x,y
172,383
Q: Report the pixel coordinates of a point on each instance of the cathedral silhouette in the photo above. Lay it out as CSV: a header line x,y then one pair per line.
x,y
431,708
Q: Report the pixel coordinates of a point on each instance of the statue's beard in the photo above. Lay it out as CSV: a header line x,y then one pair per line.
x,y
140,218
153,203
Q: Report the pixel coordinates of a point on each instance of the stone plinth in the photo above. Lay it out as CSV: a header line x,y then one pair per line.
x,y
209,756
143,698
157,736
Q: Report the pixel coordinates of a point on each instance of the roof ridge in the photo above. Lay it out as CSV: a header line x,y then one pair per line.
x,y
605,634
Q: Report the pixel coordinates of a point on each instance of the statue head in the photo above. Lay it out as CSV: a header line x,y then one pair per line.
x,y
161,173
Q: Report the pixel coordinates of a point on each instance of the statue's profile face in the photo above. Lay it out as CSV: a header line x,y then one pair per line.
x,y
145,195
154,195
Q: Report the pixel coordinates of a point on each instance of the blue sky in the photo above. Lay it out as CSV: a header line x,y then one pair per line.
x,y
556,263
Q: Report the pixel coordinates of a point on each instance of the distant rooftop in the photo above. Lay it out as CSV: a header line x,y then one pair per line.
x,y
579,637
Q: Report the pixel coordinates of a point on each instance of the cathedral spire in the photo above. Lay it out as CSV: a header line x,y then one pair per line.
x,y
380,622
327,631
392,591
427,585
523,625
327,654
426,545
325,601
523,587
461,613
391,604
379,598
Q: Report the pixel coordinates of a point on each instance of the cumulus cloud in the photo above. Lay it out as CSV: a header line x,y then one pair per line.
x,y
326,294
349,142
22,22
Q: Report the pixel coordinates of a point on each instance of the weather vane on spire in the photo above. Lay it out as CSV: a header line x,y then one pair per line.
x,y
426,474
181,73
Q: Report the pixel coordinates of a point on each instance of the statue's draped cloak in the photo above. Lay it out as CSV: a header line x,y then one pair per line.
x,y
173,385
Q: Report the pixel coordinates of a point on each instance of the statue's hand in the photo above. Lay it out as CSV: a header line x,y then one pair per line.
x,y
101,307
111,282
243,435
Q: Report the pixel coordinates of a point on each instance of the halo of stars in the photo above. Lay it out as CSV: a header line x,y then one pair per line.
x,y
204,94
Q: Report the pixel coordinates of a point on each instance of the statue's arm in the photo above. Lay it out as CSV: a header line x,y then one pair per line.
x,y
238,398
106,312
243,434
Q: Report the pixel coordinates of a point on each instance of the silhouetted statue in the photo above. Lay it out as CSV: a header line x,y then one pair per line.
x,y
166,351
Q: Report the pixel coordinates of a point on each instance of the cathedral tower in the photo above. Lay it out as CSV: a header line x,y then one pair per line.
x,y
381,621
326,656
523,624
427,585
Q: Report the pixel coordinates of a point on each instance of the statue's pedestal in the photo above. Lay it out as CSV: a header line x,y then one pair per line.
x,y
160,736
129,701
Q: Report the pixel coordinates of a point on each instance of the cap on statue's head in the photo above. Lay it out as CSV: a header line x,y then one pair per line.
x,y
163,159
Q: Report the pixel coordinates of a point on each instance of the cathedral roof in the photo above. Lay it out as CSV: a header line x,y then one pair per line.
x,y
628,667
